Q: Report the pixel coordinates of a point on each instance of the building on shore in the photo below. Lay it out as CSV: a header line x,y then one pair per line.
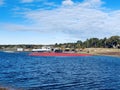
x,y
20,49
43,49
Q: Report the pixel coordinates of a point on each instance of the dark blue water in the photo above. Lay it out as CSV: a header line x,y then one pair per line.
x,y
20,71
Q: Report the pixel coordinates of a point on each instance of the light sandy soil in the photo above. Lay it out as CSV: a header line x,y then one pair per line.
x,y
103,51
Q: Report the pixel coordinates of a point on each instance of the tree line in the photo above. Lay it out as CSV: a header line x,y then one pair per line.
x,y
112,42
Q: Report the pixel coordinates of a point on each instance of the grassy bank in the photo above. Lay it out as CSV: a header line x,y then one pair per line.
x,y
103,51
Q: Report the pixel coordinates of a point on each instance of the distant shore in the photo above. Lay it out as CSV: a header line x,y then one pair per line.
x,y
92,51
103,51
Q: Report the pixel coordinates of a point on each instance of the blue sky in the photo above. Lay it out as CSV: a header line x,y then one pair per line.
x,y
57,21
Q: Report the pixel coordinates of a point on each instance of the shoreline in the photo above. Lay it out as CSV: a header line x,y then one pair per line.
x,y
106,55
103,51
92,51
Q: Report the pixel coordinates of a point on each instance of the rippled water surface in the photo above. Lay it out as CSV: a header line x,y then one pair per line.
x,y
20,71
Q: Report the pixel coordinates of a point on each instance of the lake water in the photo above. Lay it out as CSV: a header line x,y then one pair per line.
x,y
20,71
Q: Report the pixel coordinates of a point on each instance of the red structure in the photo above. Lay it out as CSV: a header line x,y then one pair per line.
x,y
57,54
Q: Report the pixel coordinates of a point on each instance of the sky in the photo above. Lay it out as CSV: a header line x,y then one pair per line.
x,y
57,21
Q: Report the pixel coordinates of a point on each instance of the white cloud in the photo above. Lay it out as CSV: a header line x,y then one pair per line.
x,y
27,1
92,3
31,1
19,27
67,2
1,2
81,20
